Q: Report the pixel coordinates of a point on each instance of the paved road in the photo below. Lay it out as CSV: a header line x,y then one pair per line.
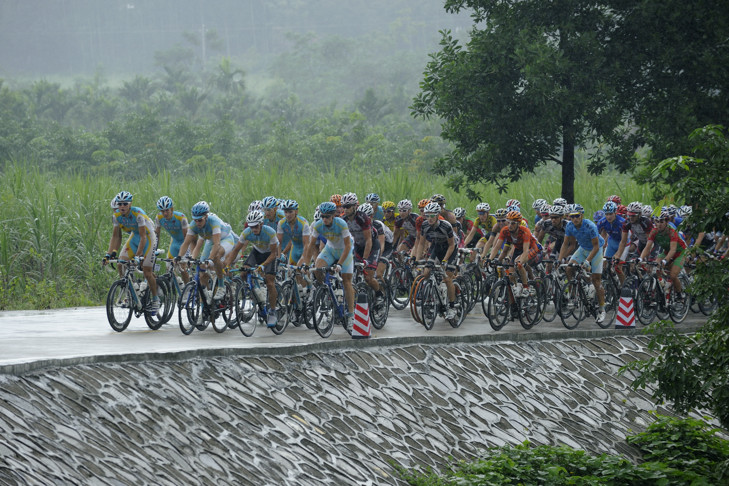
x,y
28,336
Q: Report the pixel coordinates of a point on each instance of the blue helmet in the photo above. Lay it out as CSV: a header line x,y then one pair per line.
x,y
577,209
200,209
124,196
270,202
598,215
165,202
327,208
610,207
290,204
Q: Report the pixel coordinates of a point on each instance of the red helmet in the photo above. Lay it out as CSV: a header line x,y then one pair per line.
x,y
622,210
615,199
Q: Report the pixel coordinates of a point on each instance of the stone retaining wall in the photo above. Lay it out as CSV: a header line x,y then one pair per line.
x,y
321,417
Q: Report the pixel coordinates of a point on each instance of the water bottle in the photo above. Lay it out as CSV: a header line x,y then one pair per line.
x,y
135,284
142,286
443,291
260,292
339,294
591,291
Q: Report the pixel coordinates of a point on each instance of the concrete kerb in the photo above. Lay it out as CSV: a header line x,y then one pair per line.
x,y
19,369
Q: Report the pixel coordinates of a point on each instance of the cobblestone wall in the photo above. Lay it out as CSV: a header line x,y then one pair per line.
x,y
325,417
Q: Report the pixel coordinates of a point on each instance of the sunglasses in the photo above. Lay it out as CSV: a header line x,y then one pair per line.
x,y
574,216
500,220
481,213
389,210
327,216
347,206
122,204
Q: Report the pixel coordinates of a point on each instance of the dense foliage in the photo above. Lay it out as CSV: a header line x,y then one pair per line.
x,y
674,452
692,371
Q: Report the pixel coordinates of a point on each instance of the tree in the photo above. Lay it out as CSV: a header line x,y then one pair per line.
x,y
692,371
532,85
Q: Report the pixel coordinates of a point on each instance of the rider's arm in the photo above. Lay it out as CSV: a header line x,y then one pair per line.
x,y
347,250
142,241
496,247
451,248
115,241
470,236
621,246
647,250
234,252
595,248
368,243
566,249
672,251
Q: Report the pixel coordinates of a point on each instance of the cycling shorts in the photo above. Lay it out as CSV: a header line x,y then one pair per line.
x,y
596,264
331,256
150,248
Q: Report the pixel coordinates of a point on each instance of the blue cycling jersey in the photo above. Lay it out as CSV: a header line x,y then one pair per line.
x,y
293,232
262,241
273,223
584,234
214,225
614,230
135,221
334,234
176,226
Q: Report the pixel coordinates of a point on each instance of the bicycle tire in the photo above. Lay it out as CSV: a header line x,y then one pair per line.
x,y
677,309
644,296
428,304
551,292
612,302
530,307
497,310
414,298
281,322
223,309
190,310
119,305
461,305
571,305
400,285
380,307
323,314
170,297
288,301
245,310
155,321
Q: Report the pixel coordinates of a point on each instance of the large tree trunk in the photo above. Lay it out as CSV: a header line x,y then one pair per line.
x,y
568,164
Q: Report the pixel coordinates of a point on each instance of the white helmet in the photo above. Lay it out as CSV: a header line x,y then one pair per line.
x,y
432,208
538,203
367,209
404,205
349,199
685,211
254,218
483,207
560,201
635,207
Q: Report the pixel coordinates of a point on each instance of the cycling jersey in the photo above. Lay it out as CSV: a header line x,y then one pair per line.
x,y
334,234
273,223
383,230
136,221
407,223
640,230
584,234
176,226
293,232
439,234
262,241
614,230
517,239
664,238
358,223
213,226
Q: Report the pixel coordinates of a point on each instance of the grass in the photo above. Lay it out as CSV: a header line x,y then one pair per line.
x,y
57,227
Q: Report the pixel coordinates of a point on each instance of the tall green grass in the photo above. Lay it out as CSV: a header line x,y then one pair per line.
x,y
56,228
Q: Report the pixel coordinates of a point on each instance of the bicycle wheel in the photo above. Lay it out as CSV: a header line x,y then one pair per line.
x,y
428,304
467,289
571,307
497,310
281,312
323,314
190,312
119,305
245,310
223,310
612,302
400,284
156,319
380,306
531,306
645,301
662,312
416,298
288,302
170,296
550,288
679,309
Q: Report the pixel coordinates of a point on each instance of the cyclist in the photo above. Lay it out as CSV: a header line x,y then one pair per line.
x,y
553,227
337,200
405,230
337,250
175,223
464,223
271,213
384,236
526,249
293,232
638,226
500,219
366,245
439,233
374,200
213,238
388,208
611,229
673,249
141,245
445,213
482,227
537,207
262,257
583,233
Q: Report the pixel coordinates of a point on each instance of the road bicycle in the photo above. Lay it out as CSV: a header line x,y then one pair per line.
x,y
432,297
251,303
329,307
197,306
131,294
578,299
298,305
507,299
173,288
379,307
401,280
656,296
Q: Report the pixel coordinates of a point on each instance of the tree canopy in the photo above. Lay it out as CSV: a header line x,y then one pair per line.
x,y
537,80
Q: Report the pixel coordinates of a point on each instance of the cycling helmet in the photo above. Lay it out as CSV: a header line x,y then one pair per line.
x,y
349,198
557,210
560,201
598,215
635,207
513,216
372,197
336,199
327,208
124,196
544,208
459,212
685,211
317,214
405,205
438,198
513,202
200,209
165,202
646,211
664,216
269,202
114,204
432,208
513,207
616,199
388,205
671,210
290,204
254,218
610,207
577,209
422,203
483,207
501,213
255,206
367,209
622,210
538,203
